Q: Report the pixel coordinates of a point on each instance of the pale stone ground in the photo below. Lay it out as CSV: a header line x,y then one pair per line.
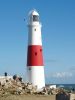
x,y
27,97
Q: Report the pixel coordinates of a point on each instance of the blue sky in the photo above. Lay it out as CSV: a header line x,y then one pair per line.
x,y
58,35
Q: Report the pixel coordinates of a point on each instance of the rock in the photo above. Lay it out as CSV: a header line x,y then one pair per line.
x,y
16,86
19,90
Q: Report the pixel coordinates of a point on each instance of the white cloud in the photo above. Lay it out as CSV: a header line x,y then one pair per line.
x,y
62,75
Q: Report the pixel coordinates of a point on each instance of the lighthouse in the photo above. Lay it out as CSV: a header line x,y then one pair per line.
x,y
35,64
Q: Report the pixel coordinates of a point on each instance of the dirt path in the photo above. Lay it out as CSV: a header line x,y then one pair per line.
x,y
27,97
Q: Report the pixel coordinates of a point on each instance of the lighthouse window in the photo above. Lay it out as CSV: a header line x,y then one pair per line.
x,y
40,50
29,68
35,53
35,18
35,29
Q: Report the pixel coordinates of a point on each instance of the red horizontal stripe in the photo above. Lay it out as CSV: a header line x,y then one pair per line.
x,y
34,55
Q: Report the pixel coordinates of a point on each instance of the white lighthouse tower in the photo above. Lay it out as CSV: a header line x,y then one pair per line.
x,y
35,65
